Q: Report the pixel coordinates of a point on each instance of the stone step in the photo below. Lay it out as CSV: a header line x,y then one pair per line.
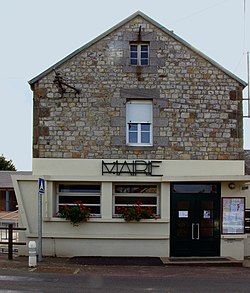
x,y
201,261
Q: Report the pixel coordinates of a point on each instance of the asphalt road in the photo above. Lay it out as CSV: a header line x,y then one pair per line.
x,y
119,279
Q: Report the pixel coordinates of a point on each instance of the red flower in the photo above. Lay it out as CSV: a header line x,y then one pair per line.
x,y
136,212
76,213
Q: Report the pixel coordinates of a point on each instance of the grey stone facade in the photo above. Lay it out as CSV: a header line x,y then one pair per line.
x,y
197,106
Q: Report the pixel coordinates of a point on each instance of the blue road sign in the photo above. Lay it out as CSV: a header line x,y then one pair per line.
x,y
41,185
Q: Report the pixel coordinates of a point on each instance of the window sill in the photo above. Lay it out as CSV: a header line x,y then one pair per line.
x,y
139,65
138,148
138,145
113,220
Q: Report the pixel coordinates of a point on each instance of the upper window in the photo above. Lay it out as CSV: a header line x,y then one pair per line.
x,y
139,123
139,54
88,194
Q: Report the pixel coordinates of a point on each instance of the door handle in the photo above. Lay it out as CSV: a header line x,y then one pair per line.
x,y
193,227
198,231
195,235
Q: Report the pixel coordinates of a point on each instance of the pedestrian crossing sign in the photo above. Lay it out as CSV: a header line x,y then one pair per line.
x,y
41,185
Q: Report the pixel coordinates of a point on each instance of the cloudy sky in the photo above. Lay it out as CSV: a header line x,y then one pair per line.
x,y
35,34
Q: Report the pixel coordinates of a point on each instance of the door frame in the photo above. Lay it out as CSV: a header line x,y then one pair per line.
x,y
191,244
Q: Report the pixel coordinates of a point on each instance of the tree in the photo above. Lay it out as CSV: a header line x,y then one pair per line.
x,y
6,165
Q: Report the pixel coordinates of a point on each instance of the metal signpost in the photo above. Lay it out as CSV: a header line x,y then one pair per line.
x,y
41,190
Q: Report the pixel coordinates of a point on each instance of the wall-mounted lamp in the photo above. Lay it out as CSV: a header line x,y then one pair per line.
x,y
231,185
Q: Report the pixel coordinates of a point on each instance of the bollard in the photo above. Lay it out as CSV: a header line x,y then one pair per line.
x,y
32,254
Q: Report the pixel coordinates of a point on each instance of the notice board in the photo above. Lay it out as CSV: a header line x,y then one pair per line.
x,y
233,215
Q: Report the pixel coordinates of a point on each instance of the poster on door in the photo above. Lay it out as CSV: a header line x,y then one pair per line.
x,y
233,215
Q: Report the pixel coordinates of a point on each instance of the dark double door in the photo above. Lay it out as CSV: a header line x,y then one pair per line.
x,y
195,220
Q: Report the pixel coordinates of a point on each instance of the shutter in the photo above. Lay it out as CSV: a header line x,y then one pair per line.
x,y
139,112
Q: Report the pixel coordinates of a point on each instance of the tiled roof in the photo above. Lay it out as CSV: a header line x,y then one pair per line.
x,y
5,177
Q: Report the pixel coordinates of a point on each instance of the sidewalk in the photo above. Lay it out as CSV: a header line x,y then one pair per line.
x,y
74,265
21,263
78,266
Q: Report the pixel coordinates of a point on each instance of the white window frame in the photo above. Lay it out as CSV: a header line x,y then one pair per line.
x,y
136,194
139,52
139,124
78,194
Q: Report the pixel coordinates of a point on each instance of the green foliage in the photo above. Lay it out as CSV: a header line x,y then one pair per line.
x,y
76,214
6,165
136,213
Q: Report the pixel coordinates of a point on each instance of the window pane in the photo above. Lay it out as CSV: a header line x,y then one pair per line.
x,y
93,209
79,188
133,137
145,137
133,47
133,55
145,133
133,127
194,188
130,200
2,200
118,210
144,61
145,127
84,199
135,189
133,132
133,61
144,48
12,201
144,55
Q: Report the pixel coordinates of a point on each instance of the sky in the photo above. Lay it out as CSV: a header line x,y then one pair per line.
x,y
35,34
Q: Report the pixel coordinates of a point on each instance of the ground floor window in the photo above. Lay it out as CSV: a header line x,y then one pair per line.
x,y
126,195
68,194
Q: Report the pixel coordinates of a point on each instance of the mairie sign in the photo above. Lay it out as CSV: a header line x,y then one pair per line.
x,y
132,168
41,185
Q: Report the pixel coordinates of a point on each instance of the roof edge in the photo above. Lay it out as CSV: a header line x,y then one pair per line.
x,y
87,45
137,13
188,45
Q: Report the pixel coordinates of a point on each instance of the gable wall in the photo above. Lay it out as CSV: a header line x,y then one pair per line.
x,y
197,108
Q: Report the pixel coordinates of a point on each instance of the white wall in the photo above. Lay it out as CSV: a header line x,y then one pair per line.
x,y
114,237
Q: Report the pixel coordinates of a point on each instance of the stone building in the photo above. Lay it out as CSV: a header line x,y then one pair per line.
x,y
138,114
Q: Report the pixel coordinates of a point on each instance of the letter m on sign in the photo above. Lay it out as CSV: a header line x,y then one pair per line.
x,y
41,185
